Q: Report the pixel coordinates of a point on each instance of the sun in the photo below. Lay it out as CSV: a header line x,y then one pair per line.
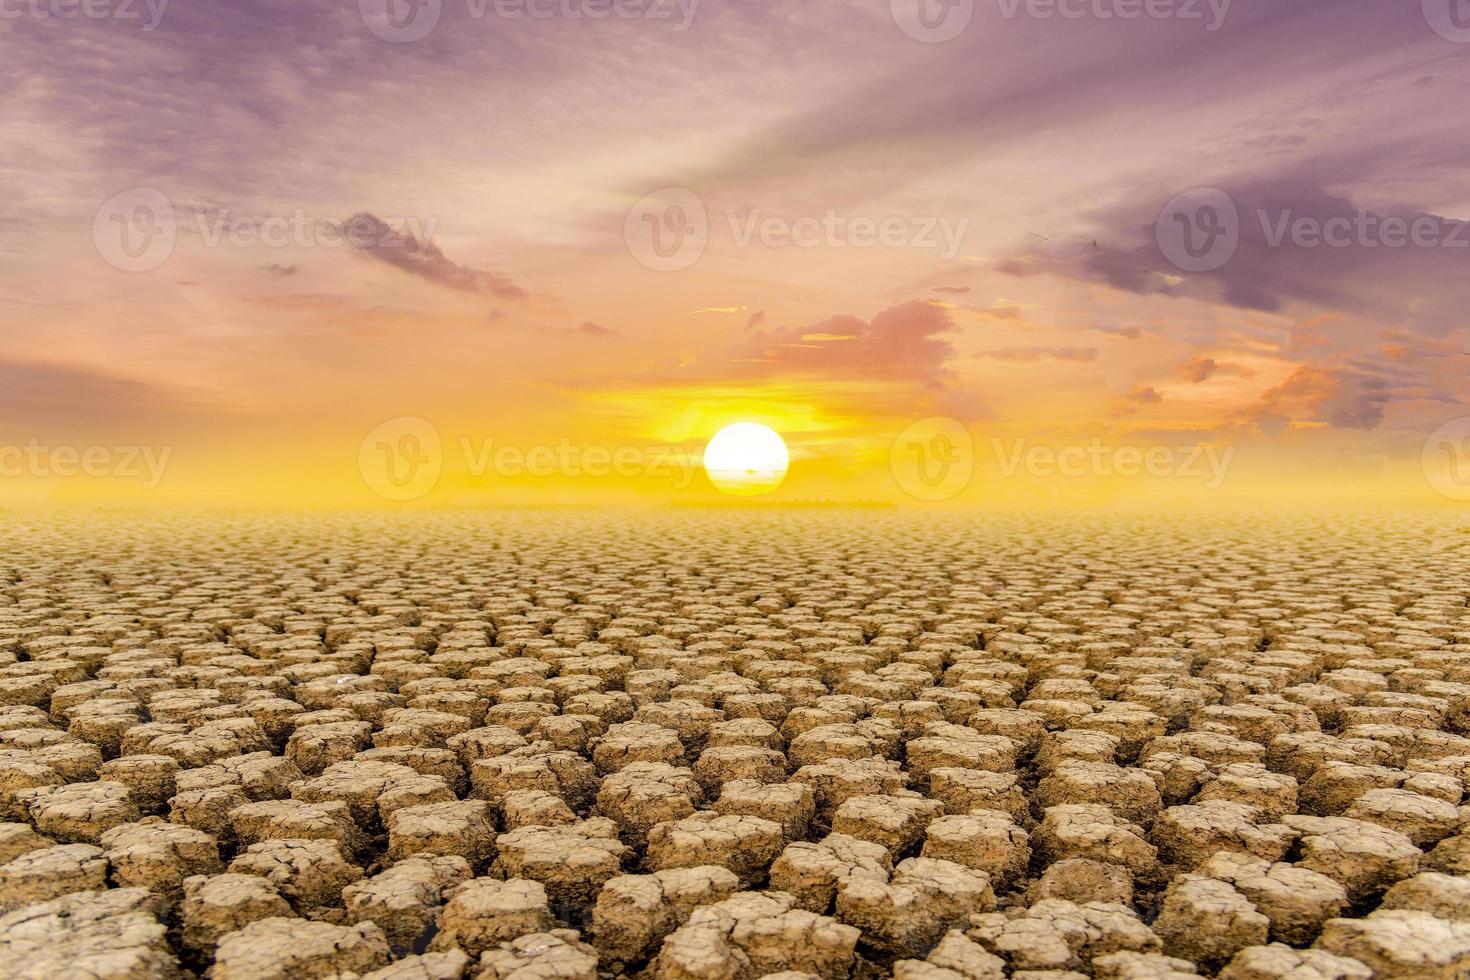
x,y
746,459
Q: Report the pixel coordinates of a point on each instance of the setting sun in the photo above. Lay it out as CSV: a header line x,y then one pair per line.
x,y
746,459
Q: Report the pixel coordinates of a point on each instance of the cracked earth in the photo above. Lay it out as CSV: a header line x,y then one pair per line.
x,y
728,746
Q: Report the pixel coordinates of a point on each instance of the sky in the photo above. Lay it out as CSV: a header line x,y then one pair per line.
x,y
975,253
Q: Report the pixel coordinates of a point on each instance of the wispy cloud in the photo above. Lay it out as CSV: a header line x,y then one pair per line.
x,y
1041,353
371,236
998,311
38,395
590,329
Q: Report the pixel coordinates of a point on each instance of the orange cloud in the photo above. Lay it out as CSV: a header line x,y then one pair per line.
x,y
1200,369
1296,399
1027,354
902,343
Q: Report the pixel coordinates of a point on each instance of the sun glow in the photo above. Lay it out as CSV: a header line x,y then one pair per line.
x,y
746,459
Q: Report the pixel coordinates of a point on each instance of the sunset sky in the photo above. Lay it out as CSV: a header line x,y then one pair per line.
x,y
892,230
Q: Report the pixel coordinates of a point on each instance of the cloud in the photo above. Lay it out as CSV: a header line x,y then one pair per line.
x,y
984,92
595,330
1136,397
1361,403
998,311
587,328
1370,318
844,366
1370,325
1163,100
1295,399
956,290
1282,260
903,342
1401,345
856,108
1352,395
47,396
1039,353
1200,369
369,235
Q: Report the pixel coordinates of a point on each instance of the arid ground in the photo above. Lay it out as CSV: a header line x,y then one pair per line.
x,y
714,745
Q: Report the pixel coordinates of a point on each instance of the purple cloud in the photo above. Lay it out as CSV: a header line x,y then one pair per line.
x,y
369,235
